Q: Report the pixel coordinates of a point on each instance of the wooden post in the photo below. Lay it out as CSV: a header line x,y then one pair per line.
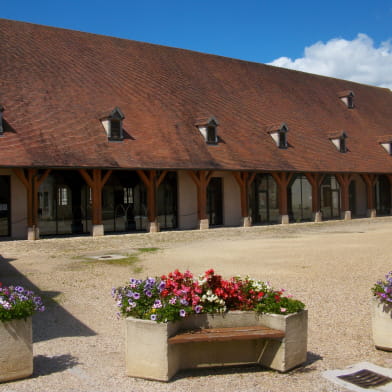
x,y
32,180
344,180
201,178
315,180
370,181
282,180
152,182
244,180
96,182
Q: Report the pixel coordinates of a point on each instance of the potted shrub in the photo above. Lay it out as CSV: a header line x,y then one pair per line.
x,y
382,313
157,308
17,305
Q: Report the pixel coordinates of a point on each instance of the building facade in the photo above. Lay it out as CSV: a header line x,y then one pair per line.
x,y
104,135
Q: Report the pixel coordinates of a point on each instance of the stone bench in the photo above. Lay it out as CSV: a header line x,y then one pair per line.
x,y
159,350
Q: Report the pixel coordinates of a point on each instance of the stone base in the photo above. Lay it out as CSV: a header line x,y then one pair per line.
x,y
382,324
204,224
97,230
148,354
153,227
33,233
16,353
284,219
371,213
347,215
246,221
317,216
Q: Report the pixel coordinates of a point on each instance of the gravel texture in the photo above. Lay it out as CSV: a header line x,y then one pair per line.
x,y
79,341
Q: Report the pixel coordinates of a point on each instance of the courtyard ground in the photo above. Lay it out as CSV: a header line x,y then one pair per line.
x,y
79,341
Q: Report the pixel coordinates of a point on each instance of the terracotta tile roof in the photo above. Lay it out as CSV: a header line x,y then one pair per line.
x,y
56,84
385,139
345,93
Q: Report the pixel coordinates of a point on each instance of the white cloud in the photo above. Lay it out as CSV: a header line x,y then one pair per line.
x,y
357,60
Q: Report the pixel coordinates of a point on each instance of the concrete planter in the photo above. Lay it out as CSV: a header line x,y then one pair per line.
x,y
148,355
382,324
16,353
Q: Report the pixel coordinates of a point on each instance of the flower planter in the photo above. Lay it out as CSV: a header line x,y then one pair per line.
x,y
382,324
16,353
148,354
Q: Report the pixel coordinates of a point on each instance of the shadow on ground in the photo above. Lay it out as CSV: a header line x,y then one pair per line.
x,y
56,321
243,369
43,366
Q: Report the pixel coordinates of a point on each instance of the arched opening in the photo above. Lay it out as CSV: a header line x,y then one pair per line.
x,y
330,198
263,200
64,204
300,199
124,203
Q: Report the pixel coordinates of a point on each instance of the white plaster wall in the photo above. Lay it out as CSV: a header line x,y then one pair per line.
x,y
18,206
231,199
187,201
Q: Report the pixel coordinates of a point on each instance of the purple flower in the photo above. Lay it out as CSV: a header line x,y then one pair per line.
x,y
136,296
161,286
184,302
153,317
172,301
149,293
182,313
19,289
198,308
157,304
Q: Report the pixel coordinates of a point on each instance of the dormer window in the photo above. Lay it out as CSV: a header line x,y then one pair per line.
x,y
279,134
386,143
339,141
113,124
347,97
1,120
208,128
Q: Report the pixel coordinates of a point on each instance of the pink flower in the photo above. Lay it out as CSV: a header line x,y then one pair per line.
x,y
283,310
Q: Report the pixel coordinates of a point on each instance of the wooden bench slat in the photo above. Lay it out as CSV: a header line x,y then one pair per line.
x,y
226,334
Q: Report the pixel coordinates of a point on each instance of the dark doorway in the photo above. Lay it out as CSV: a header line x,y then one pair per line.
x,y
124,203
352,198
383,196
167,202
5,210
214,202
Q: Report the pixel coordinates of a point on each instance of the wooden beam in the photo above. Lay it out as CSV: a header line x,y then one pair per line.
x,y
161,178
315,180
344,180
282,179
150,182
242,179
370,181
96,182
201,178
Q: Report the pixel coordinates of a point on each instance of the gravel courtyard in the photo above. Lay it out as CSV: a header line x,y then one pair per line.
x,y
79,341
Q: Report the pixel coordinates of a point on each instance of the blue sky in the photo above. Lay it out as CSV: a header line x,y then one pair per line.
x,y
308,35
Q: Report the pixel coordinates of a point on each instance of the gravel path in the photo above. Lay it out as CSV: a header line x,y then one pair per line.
x,y
79,342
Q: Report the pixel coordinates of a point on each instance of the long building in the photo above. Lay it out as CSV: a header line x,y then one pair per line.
x,y
100,134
